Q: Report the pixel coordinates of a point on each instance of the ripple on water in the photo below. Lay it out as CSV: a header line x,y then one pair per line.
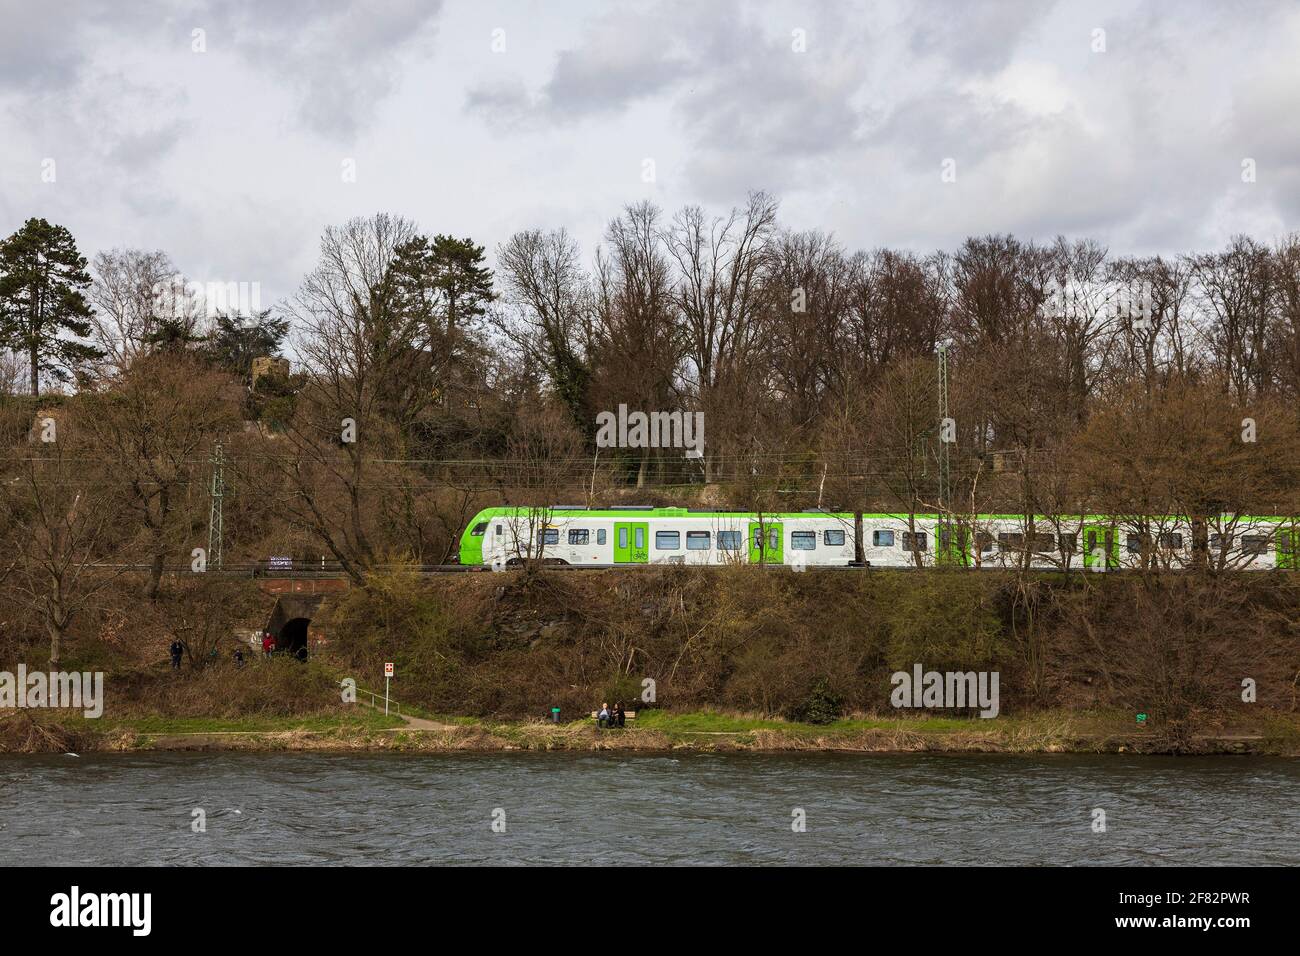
x,y
599,809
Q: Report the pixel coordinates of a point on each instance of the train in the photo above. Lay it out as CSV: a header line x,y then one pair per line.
x,y
630,536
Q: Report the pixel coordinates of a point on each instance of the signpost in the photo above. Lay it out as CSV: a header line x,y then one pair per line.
x,y
388,675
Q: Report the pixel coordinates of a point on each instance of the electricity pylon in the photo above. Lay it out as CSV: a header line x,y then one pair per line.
x,y
945,460
215,529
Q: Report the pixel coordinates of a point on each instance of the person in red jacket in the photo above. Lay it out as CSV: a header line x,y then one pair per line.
x,y
268,644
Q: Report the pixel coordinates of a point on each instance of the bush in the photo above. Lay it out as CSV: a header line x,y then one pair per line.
x,y
821,706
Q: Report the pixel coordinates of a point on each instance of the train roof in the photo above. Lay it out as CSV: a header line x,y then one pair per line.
x,y
633,512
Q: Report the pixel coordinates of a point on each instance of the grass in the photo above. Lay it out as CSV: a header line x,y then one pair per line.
x,y
712,722
362,720
1058,730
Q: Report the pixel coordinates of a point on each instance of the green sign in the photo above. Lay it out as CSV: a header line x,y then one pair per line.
x,y
1142,718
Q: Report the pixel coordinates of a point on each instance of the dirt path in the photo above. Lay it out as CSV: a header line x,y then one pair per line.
x,y
412,723
419,723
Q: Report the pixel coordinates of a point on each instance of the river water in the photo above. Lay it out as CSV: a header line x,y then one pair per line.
x,y
604,809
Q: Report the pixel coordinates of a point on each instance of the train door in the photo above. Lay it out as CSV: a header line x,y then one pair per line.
x,y
1097,537
1288,546
631,542
765,543
953,546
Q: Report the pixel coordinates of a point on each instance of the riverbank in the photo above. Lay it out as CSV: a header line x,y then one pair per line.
x,y
654,731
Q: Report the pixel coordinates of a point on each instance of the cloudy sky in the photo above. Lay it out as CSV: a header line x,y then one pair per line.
x,y
229,148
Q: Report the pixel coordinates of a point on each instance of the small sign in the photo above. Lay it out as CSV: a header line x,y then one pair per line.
x,y
388,669
1142,718
280,563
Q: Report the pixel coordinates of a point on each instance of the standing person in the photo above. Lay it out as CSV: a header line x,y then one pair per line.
x,y
268,644
239,657
177,649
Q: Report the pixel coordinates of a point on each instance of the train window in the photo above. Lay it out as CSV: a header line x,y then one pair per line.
x,y
622,537
1069,543
1254,544
1008,541
1095,541
984,541
913,541
579,536
803,540
758,537
1285,542
600,535
1137,543
833,539
1042,543
638,539
728,540
774,541
882,539
1219,541
1171,541
479,528
667,540
549,536
500,531
697,541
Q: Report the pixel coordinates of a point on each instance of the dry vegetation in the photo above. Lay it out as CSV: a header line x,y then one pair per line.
x,y
425,387
732,639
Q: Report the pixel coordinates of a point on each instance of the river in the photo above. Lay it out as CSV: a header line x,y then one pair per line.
x,y
607,809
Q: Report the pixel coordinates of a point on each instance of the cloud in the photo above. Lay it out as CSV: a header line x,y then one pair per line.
x,y
340,59
974,37
38,51
622,56
230,160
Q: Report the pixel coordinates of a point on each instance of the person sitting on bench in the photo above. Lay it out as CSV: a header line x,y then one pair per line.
x,y
619,716
602,718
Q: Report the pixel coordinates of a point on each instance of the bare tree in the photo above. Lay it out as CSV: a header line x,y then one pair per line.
x,y
154,427
1237,289
134,290
366,382
550,320
719,292
638,348
61,516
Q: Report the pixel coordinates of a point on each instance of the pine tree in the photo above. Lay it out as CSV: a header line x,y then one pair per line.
x,y
446,283
43,280
236,340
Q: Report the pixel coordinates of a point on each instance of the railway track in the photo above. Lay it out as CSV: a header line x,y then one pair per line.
x,y
262,572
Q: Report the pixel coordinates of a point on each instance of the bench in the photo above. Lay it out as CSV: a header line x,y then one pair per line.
x,y
630,714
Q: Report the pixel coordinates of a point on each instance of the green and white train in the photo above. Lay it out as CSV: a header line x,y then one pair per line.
x,y
582,537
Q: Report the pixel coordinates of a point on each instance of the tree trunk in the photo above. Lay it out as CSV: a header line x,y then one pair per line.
x,y
155,577
33,356
56,643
